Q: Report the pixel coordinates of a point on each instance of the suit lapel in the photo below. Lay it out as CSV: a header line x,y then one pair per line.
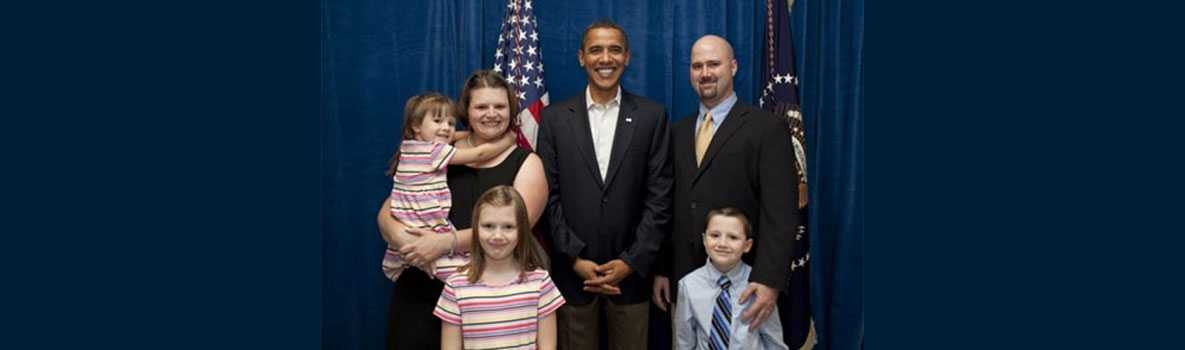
x,y
583,134
734,121
621,136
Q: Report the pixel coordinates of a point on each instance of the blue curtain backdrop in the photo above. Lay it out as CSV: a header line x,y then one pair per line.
x,y
375,54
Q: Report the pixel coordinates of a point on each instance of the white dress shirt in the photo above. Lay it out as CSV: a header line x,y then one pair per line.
x,y
602,119
697,299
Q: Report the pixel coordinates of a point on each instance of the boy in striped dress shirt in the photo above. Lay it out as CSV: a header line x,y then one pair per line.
x,y
708,309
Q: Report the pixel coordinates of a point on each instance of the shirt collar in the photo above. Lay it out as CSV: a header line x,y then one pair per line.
x,y
719,112
616,101
733,275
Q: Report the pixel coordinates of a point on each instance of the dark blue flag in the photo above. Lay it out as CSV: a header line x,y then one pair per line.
x,y
779,95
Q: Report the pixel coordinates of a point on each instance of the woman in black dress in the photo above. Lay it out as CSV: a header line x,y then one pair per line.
x,y
488,108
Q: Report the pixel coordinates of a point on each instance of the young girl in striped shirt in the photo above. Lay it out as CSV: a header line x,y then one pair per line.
x,y
504,298
420,197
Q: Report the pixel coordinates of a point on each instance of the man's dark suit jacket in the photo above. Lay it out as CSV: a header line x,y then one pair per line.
x,y
748,165
625,216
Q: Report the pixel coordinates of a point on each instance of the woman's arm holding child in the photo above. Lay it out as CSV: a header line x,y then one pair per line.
x,y
391,229
427,248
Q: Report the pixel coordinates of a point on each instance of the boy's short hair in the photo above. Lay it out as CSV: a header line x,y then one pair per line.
x,y
733,213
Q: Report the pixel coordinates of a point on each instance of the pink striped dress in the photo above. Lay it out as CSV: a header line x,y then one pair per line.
x,y
499,317
421,199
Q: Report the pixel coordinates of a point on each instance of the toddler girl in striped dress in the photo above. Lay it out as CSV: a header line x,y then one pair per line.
x,y
420,197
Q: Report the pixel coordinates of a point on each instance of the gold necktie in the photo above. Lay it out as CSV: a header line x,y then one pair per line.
x,y
703,138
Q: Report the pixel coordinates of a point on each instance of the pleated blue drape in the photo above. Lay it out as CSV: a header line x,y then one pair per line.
x,y
375,54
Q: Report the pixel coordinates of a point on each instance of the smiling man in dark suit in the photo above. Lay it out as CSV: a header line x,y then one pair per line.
x,y
605,153
730,154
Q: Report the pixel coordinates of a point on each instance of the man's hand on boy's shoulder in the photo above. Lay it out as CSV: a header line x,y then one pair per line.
x,y
762,308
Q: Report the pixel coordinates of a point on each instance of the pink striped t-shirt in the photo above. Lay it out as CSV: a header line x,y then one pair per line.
x,y
420,197
499,317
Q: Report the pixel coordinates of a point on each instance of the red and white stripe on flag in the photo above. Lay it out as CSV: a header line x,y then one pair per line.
x,y
520,60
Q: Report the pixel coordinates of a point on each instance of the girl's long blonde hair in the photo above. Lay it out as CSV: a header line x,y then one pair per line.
x,y
527,253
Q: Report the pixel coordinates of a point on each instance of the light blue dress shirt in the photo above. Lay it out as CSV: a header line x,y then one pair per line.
x,y
697,298
719,113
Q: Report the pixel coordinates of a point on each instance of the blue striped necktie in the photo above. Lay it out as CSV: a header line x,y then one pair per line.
x,y
721,317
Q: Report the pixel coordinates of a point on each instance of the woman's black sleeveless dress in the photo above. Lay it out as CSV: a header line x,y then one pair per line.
x,y
411,324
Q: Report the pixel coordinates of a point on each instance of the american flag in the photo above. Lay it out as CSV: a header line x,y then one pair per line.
x,y
520,60
779,95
